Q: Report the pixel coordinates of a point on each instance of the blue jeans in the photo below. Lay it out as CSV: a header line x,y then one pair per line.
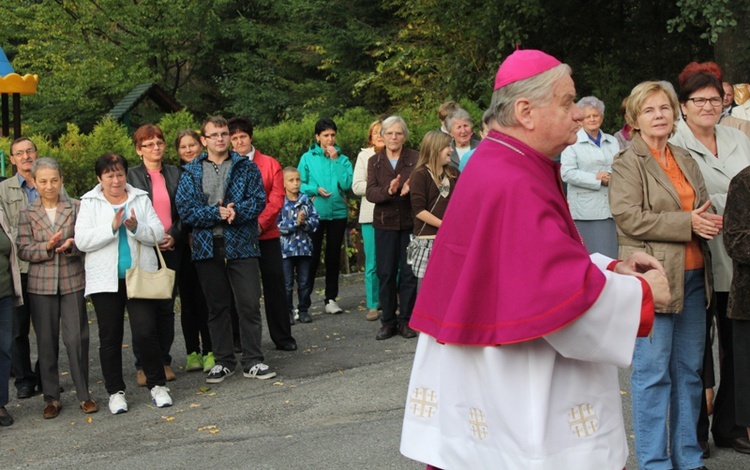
x,y
303,266
6,340
666,384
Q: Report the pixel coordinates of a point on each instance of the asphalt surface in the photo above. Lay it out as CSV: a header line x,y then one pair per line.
x,y
337,403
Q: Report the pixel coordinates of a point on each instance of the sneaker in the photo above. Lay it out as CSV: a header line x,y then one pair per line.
x,y
218,374
208,362
260,371
333,308
160,396
372,314
117,403
305,317
194,362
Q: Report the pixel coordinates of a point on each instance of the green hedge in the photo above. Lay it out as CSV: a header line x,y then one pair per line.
x,y
286,141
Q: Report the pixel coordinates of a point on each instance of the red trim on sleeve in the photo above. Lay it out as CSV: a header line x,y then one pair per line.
x,y
611,266
647,310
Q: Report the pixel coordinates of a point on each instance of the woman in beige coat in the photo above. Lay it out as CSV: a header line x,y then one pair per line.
x,y
660,205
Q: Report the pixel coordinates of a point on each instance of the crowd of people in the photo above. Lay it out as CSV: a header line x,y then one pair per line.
x,y
666,196
231,223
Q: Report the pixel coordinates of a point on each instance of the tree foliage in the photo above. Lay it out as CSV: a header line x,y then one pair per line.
x,y
300,59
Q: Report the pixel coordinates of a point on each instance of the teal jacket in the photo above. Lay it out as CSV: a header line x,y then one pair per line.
x,y
335,176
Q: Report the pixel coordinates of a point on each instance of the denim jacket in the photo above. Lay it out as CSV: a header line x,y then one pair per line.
x,y
244,188
295,239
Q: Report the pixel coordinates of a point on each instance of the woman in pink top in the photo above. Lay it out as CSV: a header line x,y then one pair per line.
x,y
160,181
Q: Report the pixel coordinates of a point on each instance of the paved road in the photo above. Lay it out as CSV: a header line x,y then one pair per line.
x,y
336,404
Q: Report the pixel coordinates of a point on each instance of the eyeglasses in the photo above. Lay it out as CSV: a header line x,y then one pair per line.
x,y
27,152
158,143
701,102
217,136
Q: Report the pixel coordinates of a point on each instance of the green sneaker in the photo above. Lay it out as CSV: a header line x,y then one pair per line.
x,y
208,362
194,362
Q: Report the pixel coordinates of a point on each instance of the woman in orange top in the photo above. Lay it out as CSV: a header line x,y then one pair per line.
x,y
660,205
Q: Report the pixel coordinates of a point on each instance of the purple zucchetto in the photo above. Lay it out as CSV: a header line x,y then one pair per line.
x,y
523,64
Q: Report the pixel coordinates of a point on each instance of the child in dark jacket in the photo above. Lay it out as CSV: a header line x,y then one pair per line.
x,y
297,220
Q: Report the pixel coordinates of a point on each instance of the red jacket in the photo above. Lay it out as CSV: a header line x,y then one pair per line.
x,y
273,184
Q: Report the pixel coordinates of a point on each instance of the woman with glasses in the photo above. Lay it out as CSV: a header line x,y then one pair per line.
x,y
721,153
160,182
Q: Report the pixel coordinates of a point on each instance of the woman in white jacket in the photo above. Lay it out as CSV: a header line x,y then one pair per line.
x,y
359,186
586,168
115,217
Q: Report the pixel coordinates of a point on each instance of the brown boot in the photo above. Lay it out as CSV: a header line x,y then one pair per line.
x,y
169,373
140,378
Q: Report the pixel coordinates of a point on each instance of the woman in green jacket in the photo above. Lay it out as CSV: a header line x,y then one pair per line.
x,y
326,175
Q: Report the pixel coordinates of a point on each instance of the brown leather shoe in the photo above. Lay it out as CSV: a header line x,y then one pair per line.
x,y
169,373
52,409
140,378
89,406
406,332
386,332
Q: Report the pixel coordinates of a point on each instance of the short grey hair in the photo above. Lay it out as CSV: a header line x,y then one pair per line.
x,y
45,162
591,102
537,89
390,122
460,113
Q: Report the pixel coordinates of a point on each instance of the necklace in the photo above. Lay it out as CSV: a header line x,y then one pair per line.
x,y
506,144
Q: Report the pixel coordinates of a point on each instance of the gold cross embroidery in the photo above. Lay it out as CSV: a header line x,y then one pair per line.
x,y
423,402
583,421
477,423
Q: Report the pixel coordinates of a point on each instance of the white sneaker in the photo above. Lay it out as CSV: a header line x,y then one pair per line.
x,y
117,403
160,396
259,371
333,308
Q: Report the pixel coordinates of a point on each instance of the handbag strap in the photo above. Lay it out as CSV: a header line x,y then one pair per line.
x,y
158,252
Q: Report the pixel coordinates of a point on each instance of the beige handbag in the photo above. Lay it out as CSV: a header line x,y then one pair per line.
x,y
141,284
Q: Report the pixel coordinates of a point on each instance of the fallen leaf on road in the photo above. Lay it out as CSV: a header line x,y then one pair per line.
x,y
195,405
279,384
205,389
206,428
288,436
292,386
213,431
341,372
168,418
89,419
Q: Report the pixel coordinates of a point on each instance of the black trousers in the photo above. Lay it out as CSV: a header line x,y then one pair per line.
x,y
395,276
26,376
223,279
333,231
194,315
741,344
165,313
274,292
110,314
724,423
